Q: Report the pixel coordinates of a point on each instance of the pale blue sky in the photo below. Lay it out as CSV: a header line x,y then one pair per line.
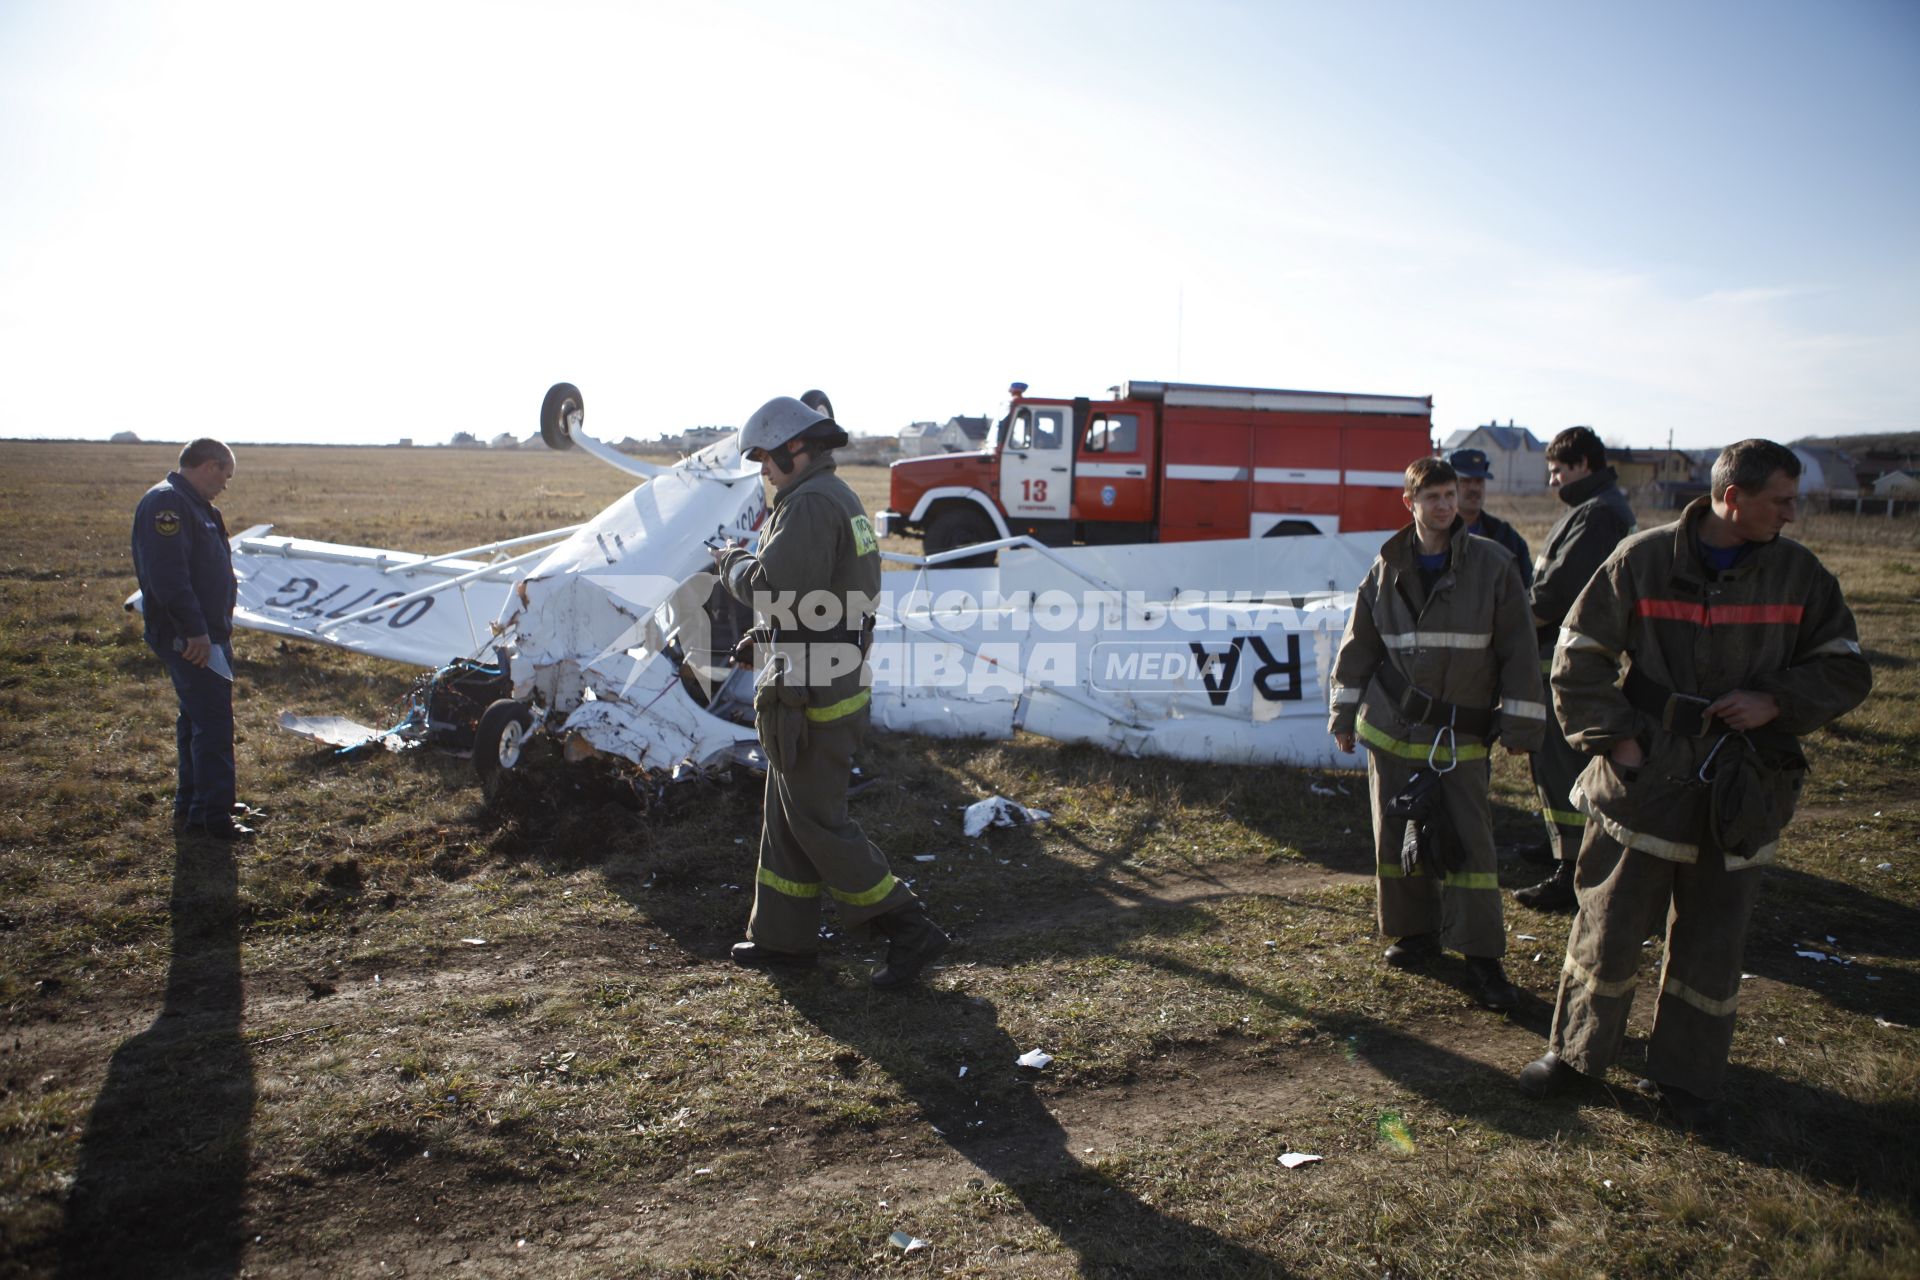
x,y
356,221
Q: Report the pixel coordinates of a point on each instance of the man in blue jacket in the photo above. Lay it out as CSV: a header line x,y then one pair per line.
x,y
185,566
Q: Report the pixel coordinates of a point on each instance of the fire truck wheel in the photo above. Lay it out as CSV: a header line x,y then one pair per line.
x,y
560,413
500,742
960,527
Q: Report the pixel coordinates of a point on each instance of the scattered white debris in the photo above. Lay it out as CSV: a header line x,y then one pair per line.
x,y
1539,957
1272,945
963,1074
1831,940
475,942
1780,1040
1294,1159
1607,1183
1879,1021
338,731
1524,937
1811,955
906,1243
925,857
1885,866
1034,1058
698,1172
1319,790
998,811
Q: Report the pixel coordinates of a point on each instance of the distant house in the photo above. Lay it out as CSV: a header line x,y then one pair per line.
x,y
1903,485
464,440
700,437
1647,468
919,438
505,440
124,437
1518,459
1826,471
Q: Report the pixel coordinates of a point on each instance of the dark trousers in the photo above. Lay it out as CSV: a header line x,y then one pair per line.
x,y
203,734
1556,767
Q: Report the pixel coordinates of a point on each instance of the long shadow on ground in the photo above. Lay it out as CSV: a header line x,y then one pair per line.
x,y
998,1124
162,1173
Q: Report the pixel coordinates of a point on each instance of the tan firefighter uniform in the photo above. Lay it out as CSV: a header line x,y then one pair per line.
x,y
1579,542
812,709
1469,645
1775,623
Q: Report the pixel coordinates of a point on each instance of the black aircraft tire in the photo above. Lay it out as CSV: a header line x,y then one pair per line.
x,y
563,399
500,742
960,527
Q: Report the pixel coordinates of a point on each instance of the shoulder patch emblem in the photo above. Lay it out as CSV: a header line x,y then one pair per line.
x,y
166,523
864,543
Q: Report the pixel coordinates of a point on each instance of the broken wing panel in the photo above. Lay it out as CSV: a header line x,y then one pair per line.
x,y
295,587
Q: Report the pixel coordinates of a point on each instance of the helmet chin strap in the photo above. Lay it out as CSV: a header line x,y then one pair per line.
x,y
782,458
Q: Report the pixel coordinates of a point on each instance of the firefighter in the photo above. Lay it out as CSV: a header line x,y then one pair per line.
x,y
1597,519
1437,661
184,565
1735,641
1471,466
816,579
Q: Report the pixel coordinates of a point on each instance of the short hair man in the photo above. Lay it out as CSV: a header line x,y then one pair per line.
x,y
1437,660
184,564
1597,518
1734,641
1473,470
818,570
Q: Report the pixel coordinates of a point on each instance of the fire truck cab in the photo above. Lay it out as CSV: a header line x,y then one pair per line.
x,y
1169,462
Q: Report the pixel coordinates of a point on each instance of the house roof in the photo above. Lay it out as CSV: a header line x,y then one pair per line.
x,y
973,428
1504,439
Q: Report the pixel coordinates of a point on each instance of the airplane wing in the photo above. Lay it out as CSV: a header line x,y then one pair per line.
x,y
399,605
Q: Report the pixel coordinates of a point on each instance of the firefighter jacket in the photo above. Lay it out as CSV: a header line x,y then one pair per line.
x,y
1775,623
184,563
1579,542
1495,529
816,579
1469,644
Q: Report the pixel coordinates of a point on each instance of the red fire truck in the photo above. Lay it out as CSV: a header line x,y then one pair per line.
x,y
1169,462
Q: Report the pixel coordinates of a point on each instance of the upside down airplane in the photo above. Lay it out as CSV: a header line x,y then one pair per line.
x,y
615,640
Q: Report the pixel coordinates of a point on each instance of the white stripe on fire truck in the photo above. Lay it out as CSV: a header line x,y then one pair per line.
x,y
1187,471
1279,475
1283,475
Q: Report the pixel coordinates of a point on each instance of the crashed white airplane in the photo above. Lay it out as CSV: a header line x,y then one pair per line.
x,y
615,640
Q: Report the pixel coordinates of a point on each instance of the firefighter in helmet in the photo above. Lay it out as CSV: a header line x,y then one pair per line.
x,y
814,584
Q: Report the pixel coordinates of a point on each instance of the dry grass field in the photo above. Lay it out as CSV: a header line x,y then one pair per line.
x,y
405,1035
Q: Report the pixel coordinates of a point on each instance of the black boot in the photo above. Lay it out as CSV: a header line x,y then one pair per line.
x,y
1689,1110
1412,950
1544,1075
751,955
1552,894
1491,985
913,943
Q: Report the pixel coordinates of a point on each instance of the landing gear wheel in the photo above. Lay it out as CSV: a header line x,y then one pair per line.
x,y
960,527
561,414
500,743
